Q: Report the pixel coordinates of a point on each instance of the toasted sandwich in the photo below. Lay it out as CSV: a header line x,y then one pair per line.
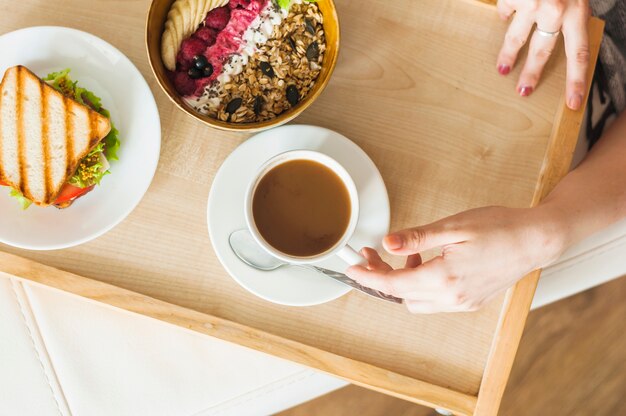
x,y
53,138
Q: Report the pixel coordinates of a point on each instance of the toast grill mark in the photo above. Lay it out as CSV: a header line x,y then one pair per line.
x,y
69,133
45,143
93,125
19,101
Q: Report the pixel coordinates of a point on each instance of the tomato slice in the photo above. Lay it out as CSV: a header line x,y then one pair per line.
x,y
69,192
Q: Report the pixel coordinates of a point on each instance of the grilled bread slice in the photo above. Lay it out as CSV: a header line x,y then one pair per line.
x,y
43,135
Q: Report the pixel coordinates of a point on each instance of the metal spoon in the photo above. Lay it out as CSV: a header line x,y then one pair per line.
x,y
247,250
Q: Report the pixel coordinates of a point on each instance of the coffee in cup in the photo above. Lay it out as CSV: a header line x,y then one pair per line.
x,y
303,207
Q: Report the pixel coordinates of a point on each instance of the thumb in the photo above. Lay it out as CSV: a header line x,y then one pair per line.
x,y
418,239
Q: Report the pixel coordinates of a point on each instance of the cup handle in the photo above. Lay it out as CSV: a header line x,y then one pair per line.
x,y
350,256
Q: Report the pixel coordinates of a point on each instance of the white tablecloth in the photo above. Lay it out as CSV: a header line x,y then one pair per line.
x,y
65,355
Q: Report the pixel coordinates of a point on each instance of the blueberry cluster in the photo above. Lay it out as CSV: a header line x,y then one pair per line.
x,y
201,68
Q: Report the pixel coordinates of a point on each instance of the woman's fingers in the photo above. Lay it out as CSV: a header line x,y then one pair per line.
x,y
427,281
418,239
514,40
413,261
374,262
542,44
577,51
550,17
505,9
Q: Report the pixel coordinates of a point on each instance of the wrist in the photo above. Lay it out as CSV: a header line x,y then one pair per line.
x,y
551,232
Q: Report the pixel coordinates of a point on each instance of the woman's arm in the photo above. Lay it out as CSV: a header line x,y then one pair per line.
x,y
593,195
486,250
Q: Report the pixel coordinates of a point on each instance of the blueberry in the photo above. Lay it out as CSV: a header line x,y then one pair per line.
x,y
200,61
194,73
207,71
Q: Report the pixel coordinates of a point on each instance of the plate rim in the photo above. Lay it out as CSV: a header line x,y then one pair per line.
x,y
151,102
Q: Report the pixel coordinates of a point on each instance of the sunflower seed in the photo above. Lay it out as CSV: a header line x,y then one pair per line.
x,y
266,68
233,105
313,52
293,96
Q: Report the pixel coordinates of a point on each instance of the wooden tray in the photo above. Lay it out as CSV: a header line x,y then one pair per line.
x,y
416,88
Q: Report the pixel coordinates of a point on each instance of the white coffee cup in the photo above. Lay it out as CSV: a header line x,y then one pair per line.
x,y
341,248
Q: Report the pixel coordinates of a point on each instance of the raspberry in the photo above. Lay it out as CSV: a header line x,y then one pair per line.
x,y
239,4
218,18
199,86
183,84
188,49
206,34
256,5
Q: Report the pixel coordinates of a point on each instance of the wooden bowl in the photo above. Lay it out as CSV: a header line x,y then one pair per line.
x,y
154,28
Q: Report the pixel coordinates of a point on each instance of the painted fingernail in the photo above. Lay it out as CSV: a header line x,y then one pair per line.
x,y
393,242
525,91
574,102
504,69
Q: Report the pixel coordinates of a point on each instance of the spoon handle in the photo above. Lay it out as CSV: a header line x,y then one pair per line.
x,y
352,283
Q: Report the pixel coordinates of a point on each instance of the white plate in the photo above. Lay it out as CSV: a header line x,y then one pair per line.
x,y
103,69
292,285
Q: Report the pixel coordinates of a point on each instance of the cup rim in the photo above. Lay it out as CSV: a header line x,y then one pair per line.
x,y
337,168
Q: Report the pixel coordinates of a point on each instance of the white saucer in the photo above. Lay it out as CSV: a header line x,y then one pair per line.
x,y
103,69
225,213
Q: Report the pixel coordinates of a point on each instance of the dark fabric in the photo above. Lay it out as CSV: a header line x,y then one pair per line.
x,y
613,49
609,83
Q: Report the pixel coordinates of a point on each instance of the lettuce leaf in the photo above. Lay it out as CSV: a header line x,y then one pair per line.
x,y
286,4
62,82
23,201
111,141
91,169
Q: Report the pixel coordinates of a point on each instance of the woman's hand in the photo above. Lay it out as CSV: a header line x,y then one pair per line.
x,y
484,251
551,17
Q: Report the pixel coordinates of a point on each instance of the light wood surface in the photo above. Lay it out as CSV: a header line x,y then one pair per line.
x,y
416,88
571,361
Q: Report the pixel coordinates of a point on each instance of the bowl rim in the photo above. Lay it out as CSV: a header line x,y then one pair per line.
x,y
279,120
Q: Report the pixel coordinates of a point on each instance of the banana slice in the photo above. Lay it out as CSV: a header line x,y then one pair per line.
x,y
184,12
167,51
193,11
183,20
168,46
179,24
200,5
